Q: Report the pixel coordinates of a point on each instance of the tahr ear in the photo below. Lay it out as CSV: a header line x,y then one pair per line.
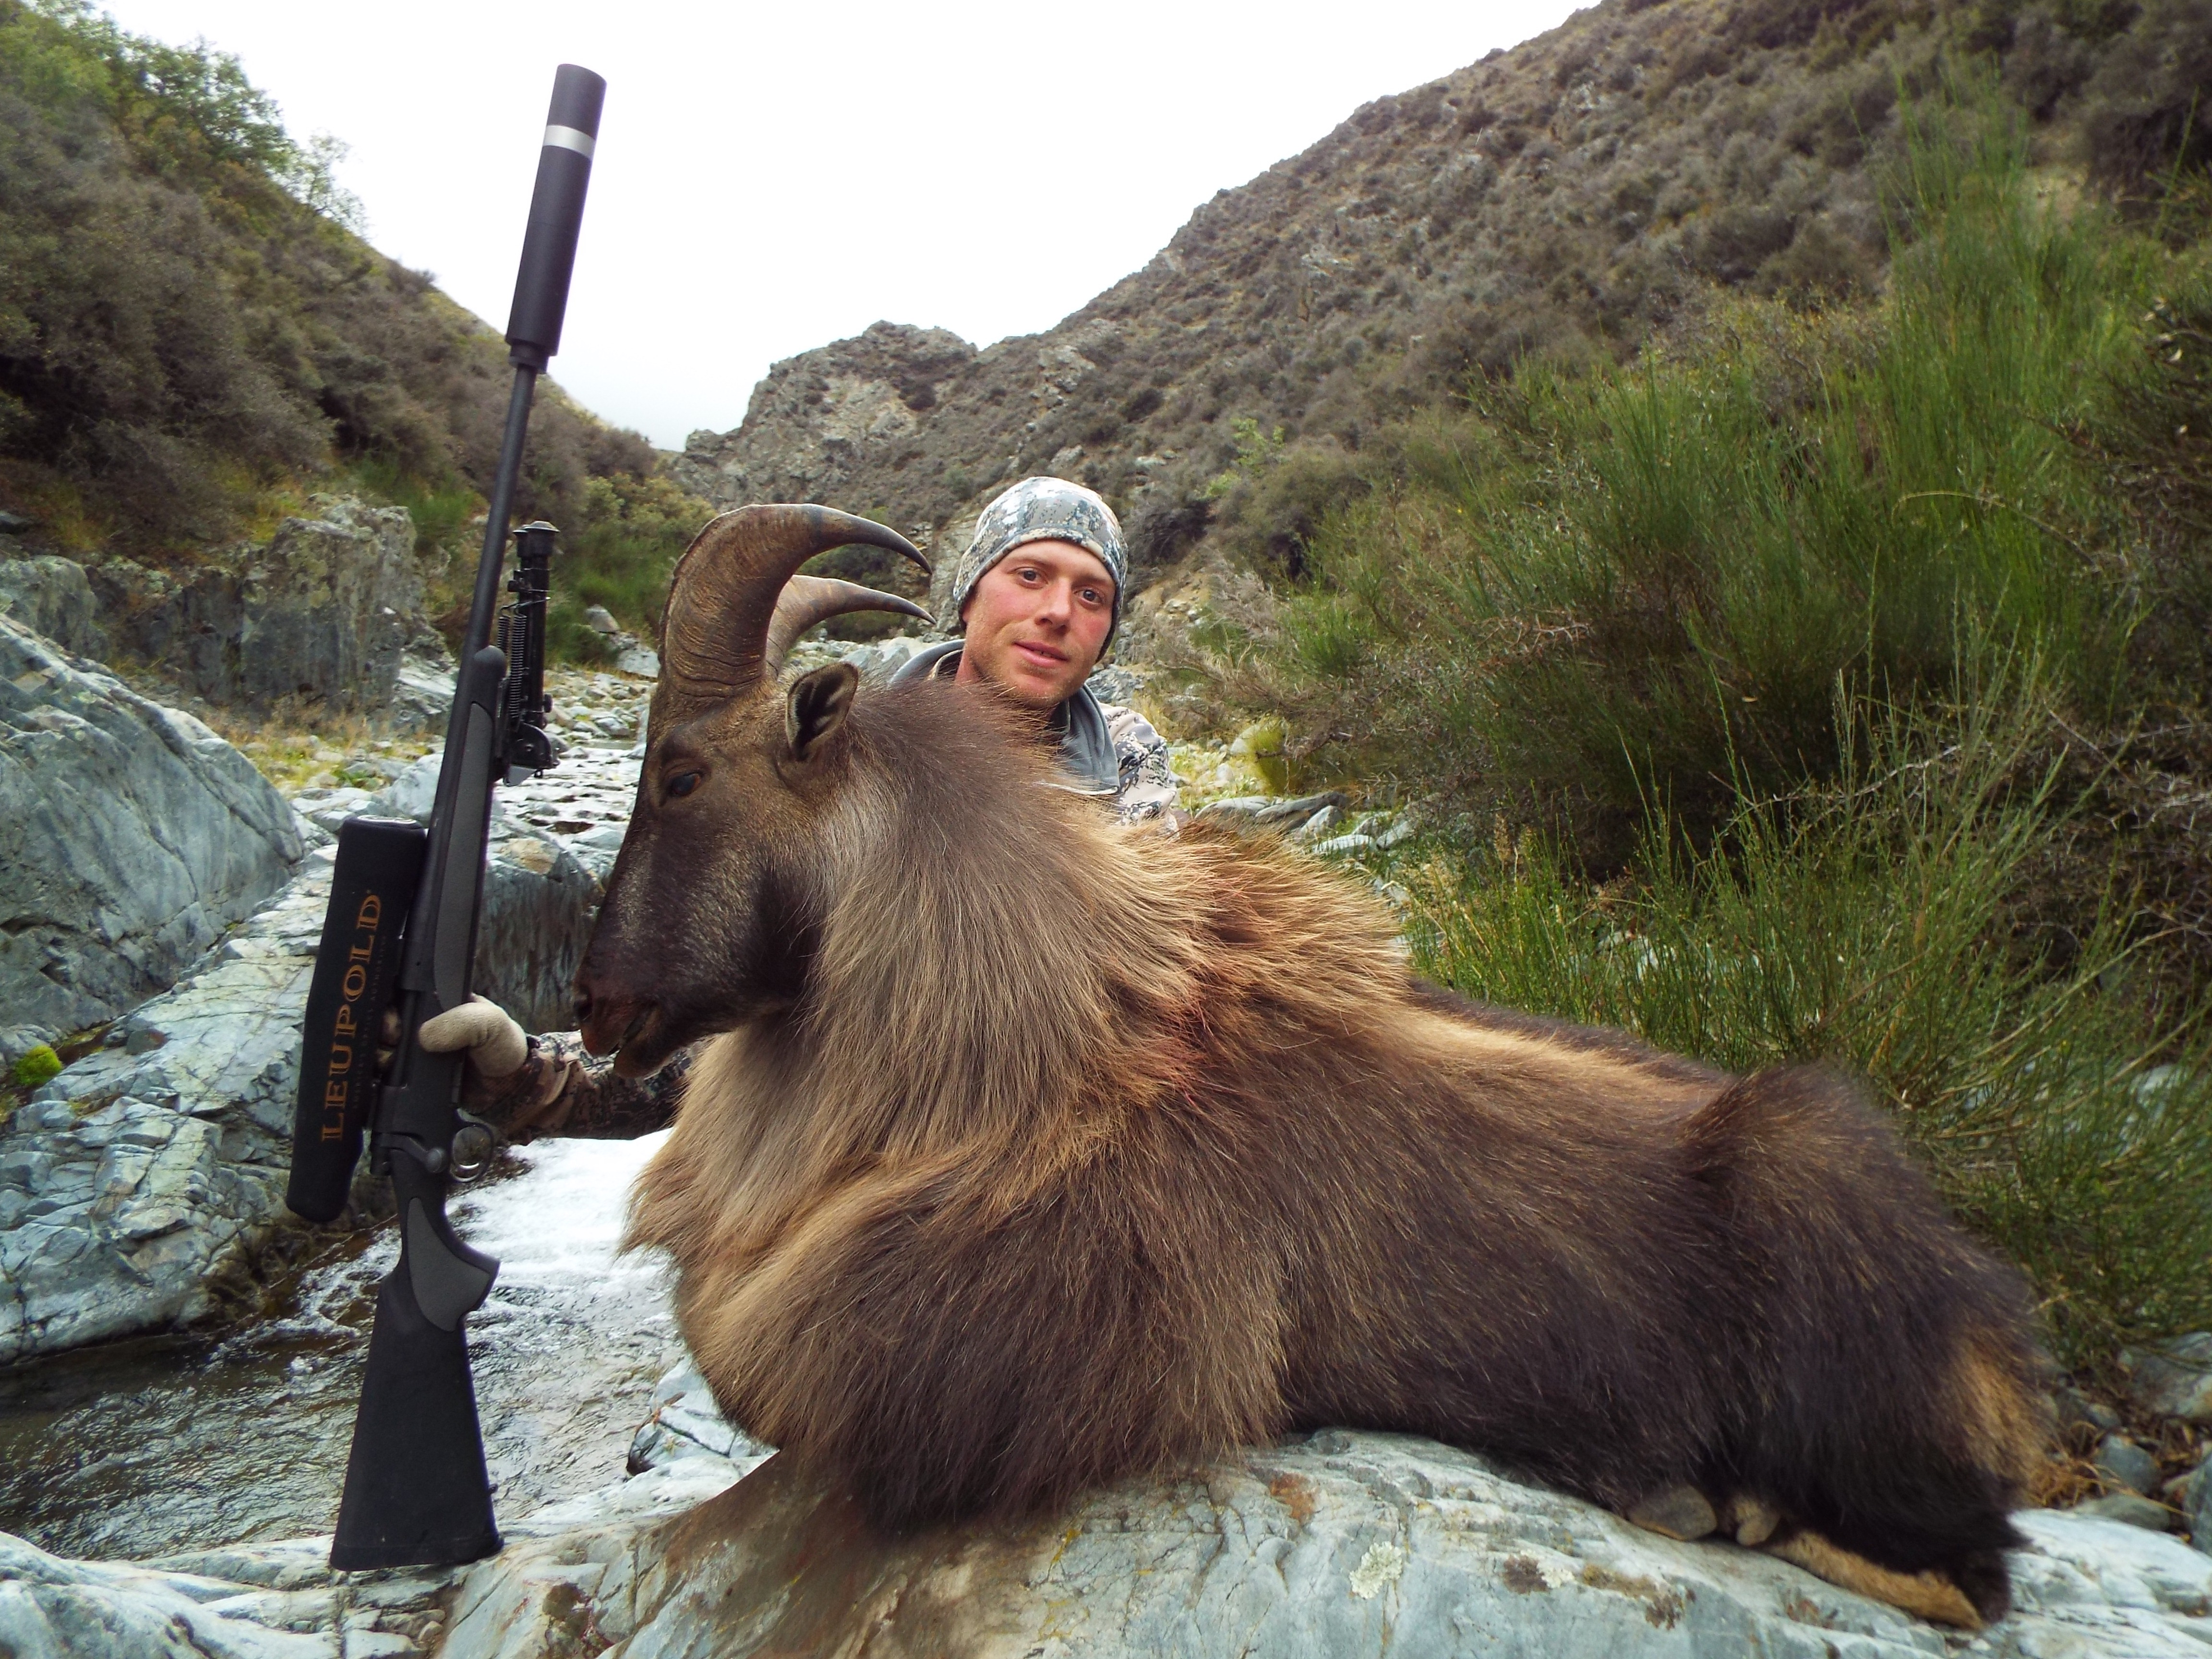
x,y
819,703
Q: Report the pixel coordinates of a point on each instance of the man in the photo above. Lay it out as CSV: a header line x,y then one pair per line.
x,y
1036,597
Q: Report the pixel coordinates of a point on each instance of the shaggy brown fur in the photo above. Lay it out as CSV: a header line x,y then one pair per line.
x,y
1039,1151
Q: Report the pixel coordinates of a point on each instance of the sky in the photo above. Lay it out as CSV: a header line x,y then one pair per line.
x,y
771,179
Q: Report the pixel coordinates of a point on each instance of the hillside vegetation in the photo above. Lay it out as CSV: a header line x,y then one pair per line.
x,y
1827,683
191,336
1567,200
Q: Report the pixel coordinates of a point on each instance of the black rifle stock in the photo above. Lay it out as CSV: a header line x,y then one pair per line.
x,y
401,931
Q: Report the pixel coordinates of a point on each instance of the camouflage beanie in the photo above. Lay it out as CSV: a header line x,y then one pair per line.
x,y
1042,510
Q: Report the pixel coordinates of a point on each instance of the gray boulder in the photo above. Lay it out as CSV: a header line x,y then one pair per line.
x,y
539,902
132,1183
322,611
1342,1545
51,596
1346,1544
2175,1380
138,836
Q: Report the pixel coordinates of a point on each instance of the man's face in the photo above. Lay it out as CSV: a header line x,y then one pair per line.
x,y
1037,621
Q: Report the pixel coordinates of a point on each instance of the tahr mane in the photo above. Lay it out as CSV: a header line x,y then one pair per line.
x,y
991,952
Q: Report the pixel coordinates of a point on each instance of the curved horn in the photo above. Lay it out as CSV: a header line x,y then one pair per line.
x,y
806,600
714,633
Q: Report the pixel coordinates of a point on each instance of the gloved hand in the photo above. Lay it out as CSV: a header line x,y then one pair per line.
x,y
496,1047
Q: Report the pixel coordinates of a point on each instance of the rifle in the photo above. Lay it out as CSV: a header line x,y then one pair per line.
x,y
403,906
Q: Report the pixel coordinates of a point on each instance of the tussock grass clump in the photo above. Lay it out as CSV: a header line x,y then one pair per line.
x,y
1863,924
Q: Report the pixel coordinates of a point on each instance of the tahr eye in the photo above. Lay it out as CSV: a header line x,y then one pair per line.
x,y
684,783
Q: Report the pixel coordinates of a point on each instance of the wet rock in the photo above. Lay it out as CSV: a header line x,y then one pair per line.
x,y
2176,1379
687,1424
54,1609
275,1601
323,611
136,835
193,1099
134,1178
51,596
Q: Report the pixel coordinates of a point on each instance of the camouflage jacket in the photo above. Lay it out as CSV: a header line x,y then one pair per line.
x,y
1104,748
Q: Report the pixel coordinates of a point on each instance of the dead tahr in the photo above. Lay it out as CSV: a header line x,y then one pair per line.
x,y
1037,1151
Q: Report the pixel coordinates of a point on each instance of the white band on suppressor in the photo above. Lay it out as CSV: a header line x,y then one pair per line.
x,y
570,138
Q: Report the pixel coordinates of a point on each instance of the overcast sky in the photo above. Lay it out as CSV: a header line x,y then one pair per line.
x,y
772,179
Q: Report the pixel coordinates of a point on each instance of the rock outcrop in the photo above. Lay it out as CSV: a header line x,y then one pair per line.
x,y
131,1183
50,595
322,612
128,1182
136,835
1340,1546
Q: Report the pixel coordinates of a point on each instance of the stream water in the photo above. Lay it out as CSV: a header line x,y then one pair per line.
x,y
139,1447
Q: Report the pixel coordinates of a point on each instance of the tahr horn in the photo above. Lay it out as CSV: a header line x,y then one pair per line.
x,y
730,620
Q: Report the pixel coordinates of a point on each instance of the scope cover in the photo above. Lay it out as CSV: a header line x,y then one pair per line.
x,y
379,865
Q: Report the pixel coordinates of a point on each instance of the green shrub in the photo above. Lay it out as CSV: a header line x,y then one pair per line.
x,y
35,1066
633,529
442,509
1864,926
1590,584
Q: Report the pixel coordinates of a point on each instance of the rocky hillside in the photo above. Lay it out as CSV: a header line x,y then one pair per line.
x,y
1567,197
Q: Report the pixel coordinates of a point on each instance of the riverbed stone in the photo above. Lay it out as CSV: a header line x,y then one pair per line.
x,y
136,836
134,1180
686,1424
2121,1462
1340,1544
51,1607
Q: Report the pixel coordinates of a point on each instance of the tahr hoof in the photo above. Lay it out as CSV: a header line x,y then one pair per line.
x,y
1680,1512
